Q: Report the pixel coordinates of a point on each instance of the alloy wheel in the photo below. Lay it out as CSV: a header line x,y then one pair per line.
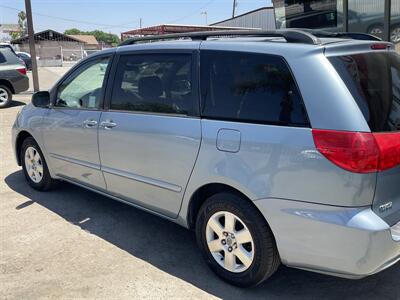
x,y
230,242
3,96
395,35
377,31
33,164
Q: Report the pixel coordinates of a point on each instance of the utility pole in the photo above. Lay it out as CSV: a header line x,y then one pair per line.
x,y
140,23
387,18
346,15
234,8
206,15
32,49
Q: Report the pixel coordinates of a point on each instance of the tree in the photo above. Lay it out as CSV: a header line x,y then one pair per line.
x,y
21,25
101,36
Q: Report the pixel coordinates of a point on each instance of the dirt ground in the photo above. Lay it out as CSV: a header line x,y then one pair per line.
x,y
71,243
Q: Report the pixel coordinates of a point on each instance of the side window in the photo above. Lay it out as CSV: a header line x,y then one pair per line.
x,y
2,58
250,88
158,83
83,89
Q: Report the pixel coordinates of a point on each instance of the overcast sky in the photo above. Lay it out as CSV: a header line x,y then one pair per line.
x,y
121,15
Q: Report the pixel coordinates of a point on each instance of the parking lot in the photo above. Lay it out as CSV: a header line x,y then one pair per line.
x,y
72,243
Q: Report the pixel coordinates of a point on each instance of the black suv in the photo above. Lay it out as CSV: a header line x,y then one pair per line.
x,y
13,79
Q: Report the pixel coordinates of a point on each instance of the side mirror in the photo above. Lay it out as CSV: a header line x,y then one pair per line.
x,y
41,99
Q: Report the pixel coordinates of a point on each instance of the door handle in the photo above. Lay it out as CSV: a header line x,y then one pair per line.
x,y
108,124
89,123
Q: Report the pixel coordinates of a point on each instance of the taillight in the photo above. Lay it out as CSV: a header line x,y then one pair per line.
x,y
380,46
359,152
353,151
22,70
389,149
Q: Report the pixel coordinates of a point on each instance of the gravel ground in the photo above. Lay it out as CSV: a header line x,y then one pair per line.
x,y
72,243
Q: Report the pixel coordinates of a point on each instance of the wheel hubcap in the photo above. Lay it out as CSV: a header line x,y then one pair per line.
x,y
230,242
376,31
3,95
395,36
33,164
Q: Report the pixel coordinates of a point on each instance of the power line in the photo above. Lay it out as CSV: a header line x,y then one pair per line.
x,y
71,20
193,13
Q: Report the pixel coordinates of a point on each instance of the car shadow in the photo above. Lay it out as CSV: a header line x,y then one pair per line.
x,y
15,103
172,248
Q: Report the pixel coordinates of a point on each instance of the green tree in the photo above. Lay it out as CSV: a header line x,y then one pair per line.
x,y
100,36
21,25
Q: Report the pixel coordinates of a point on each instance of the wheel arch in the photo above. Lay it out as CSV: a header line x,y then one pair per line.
x,y
18,143
373,25
203,193
8,85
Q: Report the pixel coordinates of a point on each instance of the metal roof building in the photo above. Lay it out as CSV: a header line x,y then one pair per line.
x,y
262,18
171,28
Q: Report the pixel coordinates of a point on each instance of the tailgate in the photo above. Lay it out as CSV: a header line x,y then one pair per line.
x,y
373,78
387,196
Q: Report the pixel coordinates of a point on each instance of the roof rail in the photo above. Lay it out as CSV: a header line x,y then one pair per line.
x,y
343,35
290,35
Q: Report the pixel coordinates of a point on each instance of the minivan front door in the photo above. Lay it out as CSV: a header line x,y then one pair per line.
x,y
149,138
71,124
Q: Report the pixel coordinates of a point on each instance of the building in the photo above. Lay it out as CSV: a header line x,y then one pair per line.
x,y
53,48
90,41
7,29
262,18
171,28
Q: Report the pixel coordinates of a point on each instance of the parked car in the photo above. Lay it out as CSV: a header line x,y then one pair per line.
x,y
8,46
330,19
279,147
26,57
13,79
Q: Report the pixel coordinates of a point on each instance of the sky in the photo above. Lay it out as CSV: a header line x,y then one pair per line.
x,y
117,16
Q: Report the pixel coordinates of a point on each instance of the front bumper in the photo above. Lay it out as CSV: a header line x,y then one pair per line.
x,y
340,241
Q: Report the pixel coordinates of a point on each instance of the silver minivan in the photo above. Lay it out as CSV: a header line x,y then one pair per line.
x,y
274,147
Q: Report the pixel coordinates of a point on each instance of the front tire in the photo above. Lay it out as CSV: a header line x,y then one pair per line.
x,y
34,166
236,240
5,96
395,34
376,30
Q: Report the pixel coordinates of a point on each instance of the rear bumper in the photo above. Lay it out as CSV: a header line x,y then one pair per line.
x,y
345,242
20,84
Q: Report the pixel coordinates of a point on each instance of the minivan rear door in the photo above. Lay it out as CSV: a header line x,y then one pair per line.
x,y
373,78
150,135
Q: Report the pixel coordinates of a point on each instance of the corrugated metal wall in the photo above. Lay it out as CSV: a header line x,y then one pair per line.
x,y
371,6
263,19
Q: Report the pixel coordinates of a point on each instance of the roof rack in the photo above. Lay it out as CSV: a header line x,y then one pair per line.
x,y
290,35
300,36
343,35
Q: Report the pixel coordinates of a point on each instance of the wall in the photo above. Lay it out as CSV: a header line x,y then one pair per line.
x,y
55,53
262,19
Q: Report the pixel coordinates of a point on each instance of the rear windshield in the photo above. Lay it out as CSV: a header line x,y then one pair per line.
x,y
374,81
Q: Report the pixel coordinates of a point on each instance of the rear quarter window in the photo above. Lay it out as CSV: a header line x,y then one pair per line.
x,y
373,79
250,87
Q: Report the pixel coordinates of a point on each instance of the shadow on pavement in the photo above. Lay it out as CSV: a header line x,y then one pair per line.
x,y
172,249
15,103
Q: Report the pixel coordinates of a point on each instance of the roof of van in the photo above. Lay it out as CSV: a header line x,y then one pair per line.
x,y
291,36
296,38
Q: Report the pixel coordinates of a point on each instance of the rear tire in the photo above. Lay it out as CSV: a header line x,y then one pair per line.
x,y
255,255
35,167
5,96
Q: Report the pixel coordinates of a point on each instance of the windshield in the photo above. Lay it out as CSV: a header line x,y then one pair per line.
x,y
374,81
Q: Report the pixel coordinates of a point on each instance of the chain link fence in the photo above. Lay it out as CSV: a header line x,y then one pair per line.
x,y
59,56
